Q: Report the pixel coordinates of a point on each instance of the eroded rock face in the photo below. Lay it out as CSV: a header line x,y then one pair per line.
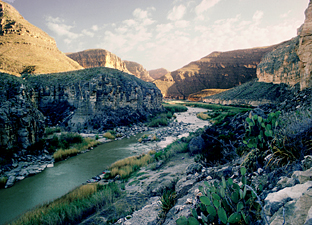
x,y
305,49
97,98
98,58
158,73
21,123
219,70
138,70
291,62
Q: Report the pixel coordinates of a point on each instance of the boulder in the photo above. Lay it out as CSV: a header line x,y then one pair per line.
x,y
10,181
303,176
274,201
196,145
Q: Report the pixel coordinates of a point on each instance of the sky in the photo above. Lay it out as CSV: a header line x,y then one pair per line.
x,y
164,33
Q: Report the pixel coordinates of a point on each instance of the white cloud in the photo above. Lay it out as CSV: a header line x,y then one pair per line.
x,y
258,16
58,26
177,12
285,15
182,23
87,33
95,28
205,5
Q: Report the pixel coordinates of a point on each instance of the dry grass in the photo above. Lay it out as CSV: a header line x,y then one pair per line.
x,y
203,116
72,207
126,166
62,154
109,135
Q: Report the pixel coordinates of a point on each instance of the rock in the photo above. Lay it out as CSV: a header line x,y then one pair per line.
x,y
307,162
303,176
10,182
138,70
276,200
193,168
183,186
297,212
147,215
196,145
286,182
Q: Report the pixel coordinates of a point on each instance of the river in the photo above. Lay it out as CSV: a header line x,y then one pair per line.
x,y
67,175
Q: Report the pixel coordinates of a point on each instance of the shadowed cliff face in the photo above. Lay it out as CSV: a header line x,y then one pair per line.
x,y
23,44
21,123
97,98
98,58
219,70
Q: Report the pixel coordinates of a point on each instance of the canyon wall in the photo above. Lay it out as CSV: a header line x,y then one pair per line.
x,y
218,70
158,73
21,123
291,62
94,99
98,58
138,70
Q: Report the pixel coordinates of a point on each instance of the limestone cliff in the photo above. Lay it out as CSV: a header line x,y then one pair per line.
x,y
291,62
94,98
21,123
158,73
281,65
138,70
219,70
98,58
23,44
305,49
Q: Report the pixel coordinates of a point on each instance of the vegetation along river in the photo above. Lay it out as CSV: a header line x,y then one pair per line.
x,y
66,175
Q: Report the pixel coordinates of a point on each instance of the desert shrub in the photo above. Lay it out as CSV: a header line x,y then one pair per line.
x,y
167,201
159,120
203,116
227,202
109,135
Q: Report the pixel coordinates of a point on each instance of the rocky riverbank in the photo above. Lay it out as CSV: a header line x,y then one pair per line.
x,y
29,165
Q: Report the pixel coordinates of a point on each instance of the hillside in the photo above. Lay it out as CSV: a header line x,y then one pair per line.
x,y
24,45
218,70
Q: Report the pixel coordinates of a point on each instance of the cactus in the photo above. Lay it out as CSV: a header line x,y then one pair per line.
x,y
225,202
259,130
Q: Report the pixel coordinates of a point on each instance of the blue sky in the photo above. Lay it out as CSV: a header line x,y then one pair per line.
x,y
164,33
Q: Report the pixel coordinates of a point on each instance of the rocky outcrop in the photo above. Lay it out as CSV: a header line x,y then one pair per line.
x,y
281,65
305,49
219,70
94,99
158,73
98,58
291,62
23,45
21,123
138,70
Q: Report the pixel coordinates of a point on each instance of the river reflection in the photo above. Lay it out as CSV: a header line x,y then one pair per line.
x,y
66,175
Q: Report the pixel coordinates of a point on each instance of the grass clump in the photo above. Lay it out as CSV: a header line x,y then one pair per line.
x,y
52,130
109,135
160,120
3,181
173,108
125,167
70,145
203,116
72,207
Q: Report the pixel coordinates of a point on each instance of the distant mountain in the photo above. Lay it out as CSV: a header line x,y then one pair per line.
x,y
138,70
98,58
157,73
218,70
24,45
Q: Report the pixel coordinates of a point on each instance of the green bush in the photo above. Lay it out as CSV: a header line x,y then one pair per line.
x,y
227,202
52,130
173,108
